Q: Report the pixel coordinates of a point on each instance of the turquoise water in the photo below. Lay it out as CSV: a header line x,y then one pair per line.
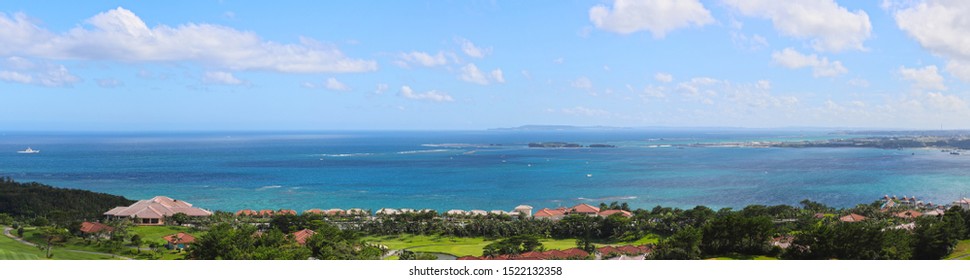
x,y
476,170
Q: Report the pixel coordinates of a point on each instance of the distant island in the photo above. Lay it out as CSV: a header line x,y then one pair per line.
x,y
566,145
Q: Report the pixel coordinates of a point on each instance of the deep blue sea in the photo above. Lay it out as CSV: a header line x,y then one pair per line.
x,y
477,169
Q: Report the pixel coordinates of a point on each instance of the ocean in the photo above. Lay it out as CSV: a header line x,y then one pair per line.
x,y
477,169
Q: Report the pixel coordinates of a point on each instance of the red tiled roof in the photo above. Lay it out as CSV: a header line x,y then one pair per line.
x,y
546,212
575,253
302,236
554,254
818,215
246,212
315,211
852,218
95,227
183,238
532,254
629,250
466,258
584,209
607,213
909,214
286,212
266,212
606,250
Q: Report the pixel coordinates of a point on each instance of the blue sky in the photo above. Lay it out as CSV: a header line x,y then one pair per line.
x,y
317,65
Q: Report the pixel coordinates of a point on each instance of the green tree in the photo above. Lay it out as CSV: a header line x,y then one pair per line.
x,y
737,233
513,245
137,242
20,232
682,245
53,235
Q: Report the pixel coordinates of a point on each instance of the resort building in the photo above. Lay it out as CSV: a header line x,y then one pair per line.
x,y
909,214
179,240
357,212
302,236
851,218
550,214
584,209
524,210
315,212
247,212
963,203
607,213
154,211
96,229
266,213
286,212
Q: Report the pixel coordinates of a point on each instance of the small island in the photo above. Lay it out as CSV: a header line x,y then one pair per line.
x,y
566,145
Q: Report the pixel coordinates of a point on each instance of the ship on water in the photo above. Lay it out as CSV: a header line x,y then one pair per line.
x,y
28,151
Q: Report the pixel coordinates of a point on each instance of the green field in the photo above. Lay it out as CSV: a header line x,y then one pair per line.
x,y
12,250
149,234
459,246
961,252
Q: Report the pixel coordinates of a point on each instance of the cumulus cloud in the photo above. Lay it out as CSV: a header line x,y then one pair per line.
x,y
470,73
940,27
471,50
924,78
422,59
497,76
656,16
220,77
663,77
828,26
821,67
109,83
121,35
334,84
20,70
433,96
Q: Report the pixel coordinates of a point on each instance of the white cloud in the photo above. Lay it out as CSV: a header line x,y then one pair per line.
x,y
559,60
582,83
220,77
16,77
334,84
121,35
859,82
422,58
497,76
471,50
21,70
753,43
656,16
924,78
828,26
109,83
959,68
470,73
663,77
381,88
821,67
940,26
433,96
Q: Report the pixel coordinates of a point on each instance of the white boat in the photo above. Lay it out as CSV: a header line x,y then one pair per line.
x,y
28,151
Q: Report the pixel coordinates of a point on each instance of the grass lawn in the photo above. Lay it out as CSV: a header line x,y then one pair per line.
x,y
148,233
12,250
458,246
743,257
961,252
